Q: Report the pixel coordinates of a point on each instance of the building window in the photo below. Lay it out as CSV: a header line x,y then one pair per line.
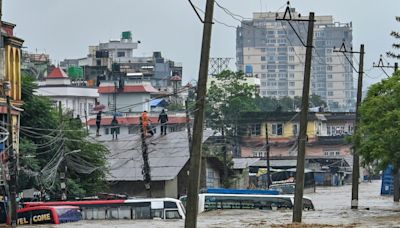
x,y
291,92
120,54
329,85
291,83
329,68
262,49
291,58
277,129
291,67
329,76
259,154
330,93
263,76
291,75
263,67
263,58
255,130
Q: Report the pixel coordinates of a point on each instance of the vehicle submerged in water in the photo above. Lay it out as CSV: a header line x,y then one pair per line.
x,y
246,199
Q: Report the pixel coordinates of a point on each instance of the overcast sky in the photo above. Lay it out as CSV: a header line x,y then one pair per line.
x,y
65,29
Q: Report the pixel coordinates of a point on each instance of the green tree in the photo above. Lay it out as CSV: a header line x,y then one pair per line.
x,y
396,46
378,132
228,95
47,139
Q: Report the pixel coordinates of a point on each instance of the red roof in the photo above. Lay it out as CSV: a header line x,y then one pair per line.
x,y
57,73
128,89
134,120
176,78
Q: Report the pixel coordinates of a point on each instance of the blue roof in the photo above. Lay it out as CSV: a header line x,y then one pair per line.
x,y
158,102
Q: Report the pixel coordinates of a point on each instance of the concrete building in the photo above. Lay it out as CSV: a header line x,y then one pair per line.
x,y
10,86
271,50
77,99
126,96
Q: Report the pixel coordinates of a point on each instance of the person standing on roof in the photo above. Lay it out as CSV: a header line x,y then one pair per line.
x,y
146,123
163,119
114,128
98,122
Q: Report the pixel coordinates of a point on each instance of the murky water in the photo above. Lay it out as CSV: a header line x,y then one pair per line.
x,y
332,210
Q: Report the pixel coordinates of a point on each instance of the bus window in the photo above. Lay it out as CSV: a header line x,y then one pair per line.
x,y
24,218
172,214
87,213
112,213
68,215
99,213
42,217
169,204
143,212
157,213
125,213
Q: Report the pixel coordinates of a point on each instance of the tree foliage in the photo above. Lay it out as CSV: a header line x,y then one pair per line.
x,y
378,133
48,140
227,96
395,46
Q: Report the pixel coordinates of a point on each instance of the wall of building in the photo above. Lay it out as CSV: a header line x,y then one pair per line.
x,y
171,188
136,188
127,102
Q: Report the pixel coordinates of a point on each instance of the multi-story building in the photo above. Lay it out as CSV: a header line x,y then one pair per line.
x,y
75,98
10,86
118,56
326,133
272,50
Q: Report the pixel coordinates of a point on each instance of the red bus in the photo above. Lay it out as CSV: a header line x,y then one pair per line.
x,y
146,208
48,215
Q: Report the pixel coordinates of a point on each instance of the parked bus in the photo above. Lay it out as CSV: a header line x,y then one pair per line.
x,y
48,215
210,201
163,208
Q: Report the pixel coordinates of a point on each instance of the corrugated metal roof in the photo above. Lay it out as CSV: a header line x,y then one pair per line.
x,y
167,156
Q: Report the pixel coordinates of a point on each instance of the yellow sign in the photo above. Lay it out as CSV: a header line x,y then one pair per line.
x,y
22,221
40,218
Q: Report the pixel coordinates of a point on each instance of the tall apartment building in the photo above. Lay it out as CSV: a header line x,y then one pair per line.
x,y
271,50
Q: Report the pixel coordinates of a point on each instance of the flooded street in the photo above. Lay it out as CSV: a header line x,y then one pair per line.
x,y
332,210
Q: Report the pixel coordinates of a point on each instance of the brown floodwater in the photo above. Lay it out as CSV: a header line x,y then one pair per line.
x,y
332,210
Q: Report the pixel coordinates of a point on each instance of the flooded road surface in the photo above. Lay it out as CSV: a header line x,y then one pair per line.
x,y
332,210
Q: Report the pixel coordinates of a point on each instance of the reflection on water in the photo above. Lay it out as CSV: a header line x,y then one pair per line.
x,y
332,207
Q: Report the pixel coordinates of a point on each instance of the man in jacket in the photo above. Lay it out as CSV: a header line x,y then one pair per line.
x,y
163,119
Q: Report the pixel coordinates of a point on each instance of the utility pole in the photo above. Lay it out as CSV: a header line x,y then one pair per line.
x,y
269,180
12,166
382,65
189,134
224,154
298,197
146,166
63,172
196,149
356,157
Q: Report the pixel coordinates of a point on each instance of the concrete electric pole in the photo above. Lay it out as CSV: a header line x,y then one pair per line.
x,y
356,157
196,149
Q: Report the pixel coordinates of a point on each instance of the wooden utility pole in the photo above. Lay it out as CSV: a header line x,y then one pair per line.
x,y
298,197
356,158
12,166
189,134
196,149
267,148
63,172
145,156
